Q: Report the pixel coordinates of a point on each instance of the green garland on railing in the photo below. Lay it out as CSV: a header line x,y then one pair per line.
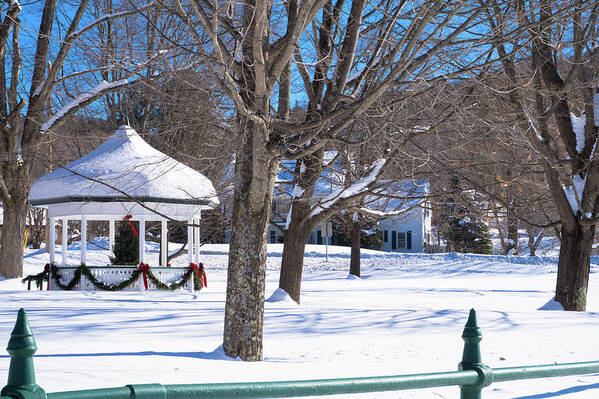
x,y
110,287
56,277
38,278
83,269
197,283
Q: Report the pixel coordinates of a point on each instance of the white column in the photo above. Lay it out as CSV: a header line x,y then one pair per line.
x,y
190,241
52,239
196,241
163,243
65,241
83,239
142,240
111,235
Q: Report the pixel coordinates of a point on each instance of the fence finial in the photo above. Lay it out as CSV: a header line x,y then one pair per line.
x,y
472,360
21,373
472,337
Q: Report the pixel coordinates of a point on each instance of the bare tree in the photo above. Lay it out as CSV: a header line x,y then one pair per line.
x,y
250,51
552,86
401,53
23,128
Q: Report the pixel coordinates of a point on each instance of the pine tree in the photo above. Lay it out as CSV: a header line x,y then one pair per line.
x,y
465,235
462,223
126,246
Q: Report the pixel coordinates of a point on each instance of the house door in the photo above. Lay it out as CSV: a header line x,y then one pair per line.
x,y
394,240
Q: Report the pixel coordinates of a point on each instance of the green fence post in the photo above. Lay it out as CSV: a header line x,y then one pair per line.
x,y
471,360
21,375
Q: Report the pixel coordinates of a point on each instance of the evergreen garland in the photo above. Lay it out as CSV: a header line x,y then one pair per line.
x,y
38,278
57,277
109,287
197,282
83,269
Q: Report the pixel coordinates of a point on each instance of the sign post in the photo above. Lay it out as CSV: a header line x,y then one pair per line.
x,y
327,232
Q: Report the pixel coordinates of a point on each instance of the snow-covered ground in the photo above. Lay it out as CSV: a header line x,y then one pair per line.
x,y
405,315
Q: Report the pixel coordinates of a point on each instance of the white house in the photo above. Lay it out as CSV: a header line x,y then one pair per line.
x,y
404,221
407,233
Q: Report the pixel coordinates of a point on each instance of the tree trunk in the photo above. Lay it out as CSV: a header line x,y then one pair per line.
x,y
512,232
504,248
300,225
534,240
255,172
292,262
531,243
573,267
356,235
13,234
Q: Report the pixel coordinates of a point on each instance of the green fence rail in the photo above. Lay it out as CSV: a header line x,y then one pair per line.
x,y
472,376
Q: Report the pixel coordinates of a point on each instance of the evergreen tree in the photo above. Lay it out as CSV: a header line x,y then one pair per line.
x,y
465,235
126,246
461,223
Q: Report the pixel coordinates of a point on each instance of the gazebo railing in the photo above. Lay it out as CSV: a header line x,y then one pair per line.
x,y
115,274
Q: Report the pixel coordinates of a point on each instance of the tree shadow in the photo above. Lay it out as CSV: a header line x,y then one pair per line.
x,y
216,354
561,392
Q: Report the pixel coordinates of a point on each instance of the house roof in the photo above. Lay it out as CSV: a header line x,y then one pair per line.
x,y
123,171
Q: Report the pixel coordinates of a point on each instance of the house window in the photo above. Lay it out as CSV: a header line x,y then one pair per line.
x,y
401,238
393,240
386,235
273,236
409,239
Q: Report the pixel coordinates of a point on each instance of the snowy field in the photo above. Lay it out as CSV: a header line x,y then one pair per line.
x,y
404,316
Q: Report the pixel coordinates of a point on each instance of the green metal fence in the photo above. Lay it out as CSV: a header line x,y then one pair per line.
x,y
472,377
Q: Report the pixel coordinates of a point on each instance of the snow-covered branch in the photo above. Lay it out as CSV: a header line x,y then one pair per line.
x,y
97,91
358,187
82,100
385,214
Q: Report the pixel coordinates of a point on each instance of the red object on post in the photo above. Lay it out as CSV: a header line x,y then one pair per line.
x,y
128,219
204,279
145,268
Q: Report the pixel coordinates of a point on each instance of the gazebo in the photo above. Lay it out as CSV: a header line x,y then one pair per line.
x,y
124,177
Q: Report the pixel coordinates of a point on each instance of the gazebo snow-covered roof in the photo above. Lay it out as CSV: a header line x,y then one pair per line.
x,y
125,176
124,169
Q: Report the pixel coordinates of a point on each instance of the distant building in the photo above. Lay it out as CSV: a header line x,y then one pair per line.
x,y
407,233
405,224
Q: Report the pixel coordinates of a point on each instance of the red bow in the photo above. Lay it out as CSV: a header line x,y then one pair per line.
x,y
144,268
128,219
201,273
47,270
204,280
